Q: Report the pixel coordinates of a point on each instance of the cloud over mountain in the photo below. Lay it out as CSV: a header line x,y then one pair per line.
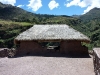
x,y
20,6
35,4
12,2
53,4
88,4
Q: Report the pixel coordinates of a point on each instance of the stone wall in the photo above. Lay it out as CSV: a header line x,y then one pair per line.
x,y
29,47
67,47
73,47
3,52
96,60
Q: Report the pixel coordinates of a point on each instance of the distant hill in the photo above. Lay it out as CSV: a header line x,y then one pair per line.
x,y
90,25
9,12
92,14
12,12
14,20
76,16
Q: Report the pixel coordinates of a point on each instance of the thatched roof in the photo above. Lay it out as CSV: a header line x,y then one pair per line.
x,y
51,32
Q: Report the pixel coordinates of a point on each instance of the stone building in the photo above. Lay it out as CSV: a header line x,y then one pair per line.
x,y
70,39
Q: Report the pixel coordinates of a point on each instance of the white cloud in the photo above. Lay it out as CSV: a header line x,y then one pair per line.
x,y
53,4
88,4
94,4
35,4
20,5
85,3
12,2
74,2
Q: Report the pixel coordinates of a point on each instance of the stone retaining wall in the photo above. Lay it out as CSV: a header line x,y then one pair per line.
x,y
3,52
96,60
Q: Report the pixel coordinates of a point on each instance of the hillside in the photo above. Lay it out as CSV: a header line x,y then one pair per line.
x,y
90,25
91,15
9,12
14,20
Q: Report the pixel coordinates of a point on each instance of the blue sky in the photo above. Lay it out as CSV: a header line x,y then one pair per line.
x,y
55,7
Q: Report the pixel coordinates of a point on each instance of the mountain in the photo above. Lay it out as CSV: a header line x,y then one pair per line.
x,y
76,16
9,12
91,26
14,20
91,15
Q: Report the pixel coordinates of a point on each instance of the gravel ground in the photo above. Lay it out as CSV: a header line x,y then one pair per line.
x,y
38,65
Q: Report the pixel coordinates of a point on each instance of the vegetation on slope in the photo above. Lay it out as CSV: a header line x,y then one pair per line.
x,y
9,30
90,26
14,20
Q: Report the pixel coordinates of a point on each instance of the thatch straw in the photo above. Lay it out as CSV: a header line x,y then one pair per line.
x,y
51,32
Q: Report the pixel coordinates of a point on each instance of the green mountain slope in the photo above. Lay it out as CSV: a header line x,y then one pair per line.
x,y
14,20
9,12
91,15
91,26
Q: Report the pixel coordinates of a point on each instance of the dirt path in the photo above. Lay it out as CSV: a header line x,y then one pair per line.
x,y
34,65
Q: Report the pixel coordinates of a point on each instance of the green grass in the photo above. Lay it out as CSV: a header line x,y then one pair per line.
x,y
15,23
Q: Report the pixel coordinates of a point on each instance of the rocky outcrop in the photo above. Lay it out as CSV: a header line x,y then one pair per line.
x,y
3,52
